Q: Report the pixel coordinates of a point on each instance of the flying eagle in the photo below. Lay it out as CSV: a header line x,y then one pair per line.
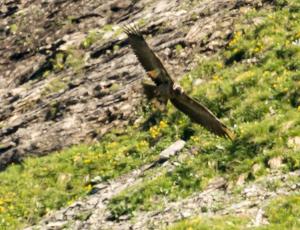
x,y
166,89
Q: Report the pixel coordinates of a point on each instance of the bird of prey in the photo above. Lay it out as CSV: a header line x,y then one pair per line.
x,y
166,89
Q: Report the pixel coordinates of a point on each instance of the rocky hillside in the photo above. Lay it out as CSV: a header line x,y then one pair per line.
x,y
70,93
67,75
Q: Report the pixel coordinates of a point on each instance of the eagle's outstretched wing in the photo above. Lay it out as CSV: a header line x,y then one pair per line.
x,y
200,114
146,56
155,69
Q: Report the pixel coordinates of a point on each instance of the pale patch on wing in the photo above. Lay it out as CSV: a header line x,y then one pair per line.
x,y
153,74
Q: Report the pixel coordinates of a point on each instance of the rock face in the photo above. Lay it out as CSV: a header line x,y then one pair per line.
x,y
67,75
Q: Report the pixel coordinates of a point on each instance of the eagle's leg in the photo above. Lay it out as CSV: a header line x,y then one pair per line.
x,y
160,103
153,94
150,90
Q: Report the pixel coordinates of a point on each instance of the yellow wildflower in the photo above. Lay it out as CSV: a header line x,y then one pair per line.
x,y
70,202
237,36
287,42
89,187
76,158
220,65
299,108
154,131
112,144
216,78
162,124
195,138
142,144
87,161
246,76
2,209
233,42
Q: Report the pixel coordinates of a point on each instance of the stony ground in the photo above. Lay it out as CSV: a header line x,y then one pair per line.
x,y
219,198
67,75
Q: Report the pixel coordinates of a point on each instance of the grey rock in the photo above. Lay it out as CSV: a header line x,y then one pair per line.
x,y
294,142
172,149
275,162
56,225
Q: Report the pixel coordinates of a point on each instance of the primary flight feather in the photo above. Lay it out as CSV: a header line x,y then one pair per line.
x,y
166,88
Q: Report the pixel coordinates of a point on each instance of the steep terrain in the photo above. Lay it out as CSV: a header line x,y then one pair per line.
x,y
68,78
67,75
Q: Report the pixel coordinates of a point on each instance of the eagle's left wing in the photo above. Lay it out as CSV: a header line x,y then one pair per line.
x,y
200,114
146,57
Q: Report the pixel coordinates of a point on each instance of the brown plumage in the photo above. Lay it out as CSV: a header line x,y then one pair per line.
x,y
168,90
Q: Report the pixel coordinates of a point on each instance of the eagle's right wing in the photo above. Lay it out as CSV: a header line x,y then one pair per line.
x,y
146,57
200,114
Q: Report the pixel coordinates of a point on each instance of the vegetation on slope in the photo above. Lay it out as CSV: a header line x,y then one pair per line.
x,y
39,185
261,101
252,85
282,213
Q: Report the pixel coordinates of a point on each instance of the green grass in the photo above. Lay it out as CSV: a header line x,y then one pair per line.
x,y
150,194
261,101
282,213
39,185
96,35
54,86
216,223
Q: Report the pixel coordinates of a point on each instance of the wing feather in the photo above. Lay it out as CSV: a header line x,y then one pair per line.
x,y
146,56
201,115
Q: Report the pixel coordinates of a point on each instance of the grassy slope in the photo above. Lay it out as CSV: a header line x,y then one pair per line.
x,y
261,101
283,213
30,190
